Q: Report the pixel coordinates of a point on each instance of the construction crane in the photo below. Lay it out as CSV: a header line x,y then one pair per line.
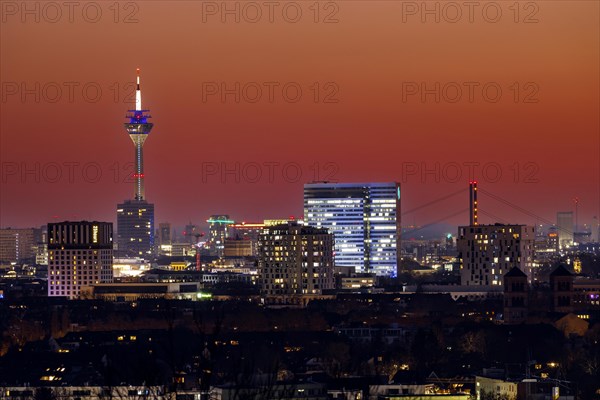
x,y
576,201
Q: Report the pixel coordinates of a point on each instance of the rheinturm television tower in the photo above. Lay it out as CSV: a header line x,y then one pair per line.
x,y
135,218
138,128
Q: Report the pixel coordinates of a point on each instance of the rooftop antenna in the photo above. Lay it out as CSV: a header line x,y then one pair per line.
x,y
138,92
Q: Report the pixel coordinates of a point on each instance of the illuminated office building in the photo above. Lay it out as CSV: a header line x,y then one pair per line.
x,y
364,219
135,224
79,254
218,231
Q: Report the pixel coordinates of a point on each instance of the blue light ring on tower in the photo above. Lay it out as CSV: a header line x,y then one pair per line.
x,y
138,116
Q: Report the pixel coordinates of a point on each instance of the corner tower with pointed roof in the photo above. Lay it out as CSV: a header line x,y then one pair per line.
x,y
516,296
561,284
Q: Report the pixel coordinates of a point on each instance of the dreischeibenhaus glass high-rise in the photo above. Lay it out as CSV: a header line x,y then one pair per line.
x,y
364,219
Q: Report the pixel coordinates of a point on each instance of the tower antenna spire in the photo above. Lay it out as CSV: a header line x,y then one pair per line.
x,y
138,93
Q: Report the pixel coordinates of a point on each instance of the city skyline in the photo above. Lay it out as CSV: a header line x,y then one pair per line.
x,y
455,219
197,132
341,200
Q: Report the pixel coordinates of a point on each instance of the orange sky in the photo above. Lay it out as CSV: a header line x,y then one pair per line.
x,y
374,132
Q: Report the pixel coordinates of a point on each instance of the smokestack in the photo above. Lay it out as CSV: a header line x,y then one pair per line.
x,y
473,203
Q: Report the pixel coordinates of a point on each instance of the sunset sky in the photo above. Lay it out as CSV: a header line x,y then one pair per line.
x,y
371,128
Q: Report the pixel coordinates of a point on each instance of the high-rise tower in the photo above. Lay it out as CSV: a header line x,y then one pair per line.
x,y
218,231
364,219
138,128
135,218
565,224
295,259
79,254
488,253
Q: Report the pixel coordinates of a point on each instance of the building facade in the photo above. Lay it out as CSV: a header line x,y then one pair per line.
x,y
218,231
364,219
488,252
79,254
494,388
516,297
238,248
248,231
164,233
135,229
295,260
561,286
40,248
17,245
565,227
